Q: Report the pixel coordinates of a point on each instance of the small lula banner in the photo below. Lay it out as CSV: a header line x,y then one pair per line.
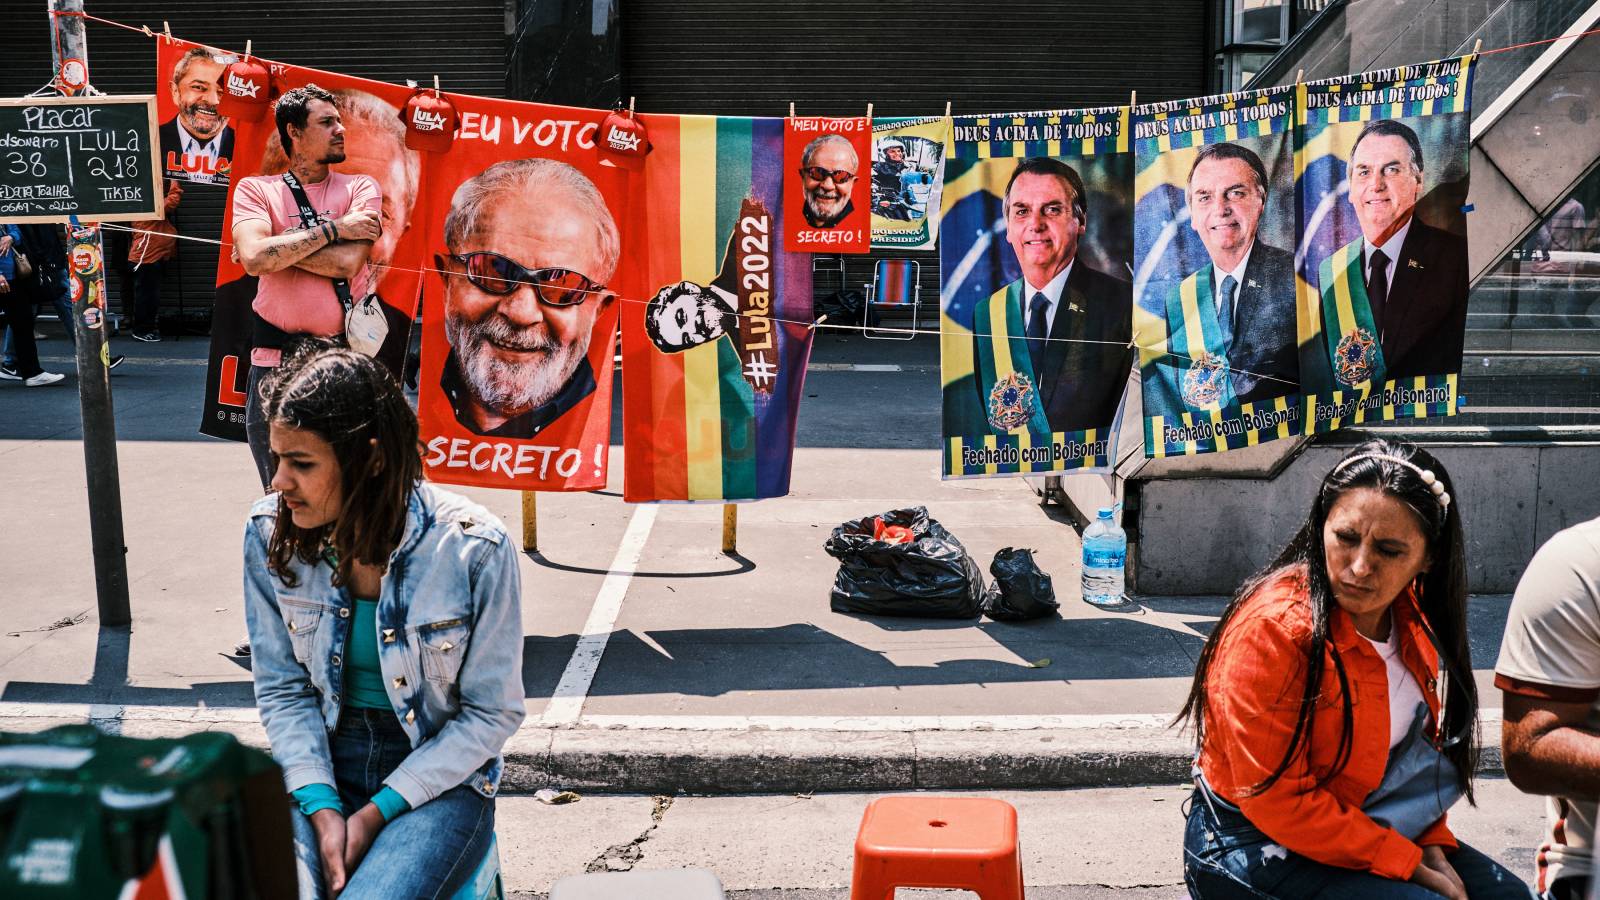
x,y
907,175
1035,301
1381,160
825,199
1214,290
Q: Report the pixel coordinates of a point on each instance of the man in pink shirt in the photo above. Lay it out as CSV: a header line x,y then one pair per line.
x,y
299,254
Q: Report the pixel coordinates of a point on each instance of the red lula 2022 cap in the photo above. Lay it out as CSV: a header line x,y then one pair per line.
x,y
431,121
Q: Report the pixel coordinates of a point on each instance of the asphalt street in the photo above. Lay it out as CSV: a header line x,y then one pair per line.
x,y
1123,843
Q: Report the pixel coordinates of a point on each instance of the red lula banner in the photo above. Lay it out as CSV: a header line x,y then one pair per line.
x,y
197,140
523,234
825,198
375,146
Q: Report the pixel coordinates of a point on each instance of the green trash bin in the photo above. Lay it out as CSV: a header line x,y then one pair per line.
x,y
90,815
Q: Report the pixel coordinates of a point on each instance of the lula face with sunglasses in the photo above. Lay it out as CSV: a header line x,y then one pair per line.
x,y
521,298
828,176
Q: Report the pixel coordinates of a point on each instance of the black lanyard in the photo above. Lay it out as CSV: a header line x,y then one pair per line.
x,y
310,219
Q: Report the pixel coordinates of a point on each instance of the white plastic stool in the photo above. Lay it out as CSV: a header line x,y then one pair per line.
x,y
659,884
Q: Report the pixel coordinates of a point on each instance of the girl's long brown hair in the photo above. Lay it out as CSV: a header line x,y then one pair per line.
x,y
351,401
1442,598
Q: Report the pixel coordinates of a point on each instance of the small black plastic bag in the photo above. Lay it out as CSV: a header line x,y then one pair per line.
x,y
1021,590
931,576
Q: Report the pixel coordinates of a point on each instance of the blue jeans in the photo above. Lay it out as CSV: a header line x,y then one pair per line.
x,y
430,851
256,431
1224,856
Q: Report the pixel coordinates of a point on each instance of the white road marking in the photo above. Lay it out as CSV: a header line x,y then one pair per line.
x,y
874,723
566,704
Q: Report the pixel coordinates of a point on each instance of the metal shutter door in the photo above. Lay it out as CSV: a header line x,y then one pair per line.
x,y
832,57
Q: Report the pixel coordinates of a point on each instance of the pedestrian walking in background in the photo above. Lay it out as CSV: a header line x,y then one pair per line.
x,y
41,242
16,301
1334,705
358,578
154,242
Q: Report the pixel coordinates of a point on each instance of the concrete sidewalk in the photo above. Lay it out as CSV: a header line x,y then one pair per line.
x,y
653,662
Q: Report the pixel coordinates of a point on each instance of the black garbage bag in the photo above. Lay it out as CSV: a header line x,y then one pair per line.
x,y
1021,590
847,307
930,575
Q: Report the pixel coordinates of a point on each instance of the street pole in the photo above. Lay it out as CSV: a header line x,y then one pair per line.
x,y
86,262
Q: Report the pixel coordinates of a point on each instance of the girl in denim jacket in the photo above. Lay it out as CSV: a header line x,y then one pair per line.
x,y
385,619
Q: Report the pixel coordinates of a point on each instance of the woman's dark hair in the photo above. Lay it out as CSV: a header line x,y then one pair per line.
x,y
351,401
1441,596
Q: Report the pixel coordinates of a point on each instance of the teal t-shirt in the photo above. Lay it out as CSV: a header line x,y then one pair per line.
x,y
363,676
363,687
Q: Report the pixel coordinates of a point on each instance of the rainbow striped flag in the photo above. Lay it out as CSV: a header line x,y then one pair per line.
x,y
714,420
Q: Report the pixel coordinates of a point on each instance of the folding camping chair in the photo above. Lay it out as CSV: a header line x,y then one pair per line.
x,y
827,275
894,287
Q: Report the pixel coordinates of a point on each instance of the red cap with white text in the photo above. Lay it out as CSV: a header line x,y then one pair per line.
x,y
431,121
246,90
621,141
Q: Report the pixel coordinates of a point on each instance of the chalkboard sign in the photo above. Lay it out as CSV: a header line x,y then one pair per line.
x,y
90,157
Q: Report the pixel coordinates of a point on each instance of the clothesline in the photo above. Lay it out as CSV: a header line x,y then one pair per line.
x,y
166,32
779,319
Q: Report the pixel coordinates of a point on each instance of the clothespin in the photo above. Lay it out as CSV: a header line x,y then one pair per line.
x,y
166,29
791,109
436,85
947,109
869,113
147,32
1300,77
248,44
630,106
819,321
1477,46
1133,98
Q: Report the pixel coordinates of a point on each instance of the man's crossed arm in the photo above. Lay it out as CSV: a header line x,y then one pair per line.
x,y
260,251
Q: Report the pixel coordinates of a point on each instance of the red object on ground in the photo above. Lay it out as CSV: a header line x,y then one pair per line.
x,y
968,843
246,90
891,534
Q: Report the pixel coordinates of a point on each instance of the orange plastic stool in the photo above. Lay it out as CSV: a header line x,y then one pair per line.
x,y
969,843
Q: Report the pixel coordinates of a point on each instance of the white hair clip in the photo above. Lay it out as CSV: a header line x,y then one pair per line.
x,y
1427,476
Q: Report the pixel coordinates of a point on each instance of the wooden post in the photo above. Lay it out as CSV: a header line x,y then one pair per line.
x,y
530,521
730,528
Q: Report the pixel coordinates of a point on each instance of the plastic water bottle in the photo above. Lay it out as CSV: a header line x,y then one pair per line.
x,y
1105,552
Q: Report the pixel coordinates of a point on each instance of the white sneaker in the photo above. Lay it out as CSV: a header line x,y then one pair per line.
x,y
44,378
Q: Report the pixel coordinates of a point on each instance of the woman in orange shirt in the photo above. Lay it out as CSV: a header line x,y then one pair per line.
x,y
1334,704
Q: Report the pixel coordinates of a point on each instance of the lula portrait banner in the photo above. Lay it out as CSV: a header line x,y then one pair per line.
x,y
825,195
375,147
196,139
1214,288
714,356
522,227
1035,300
1381,160
907,175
